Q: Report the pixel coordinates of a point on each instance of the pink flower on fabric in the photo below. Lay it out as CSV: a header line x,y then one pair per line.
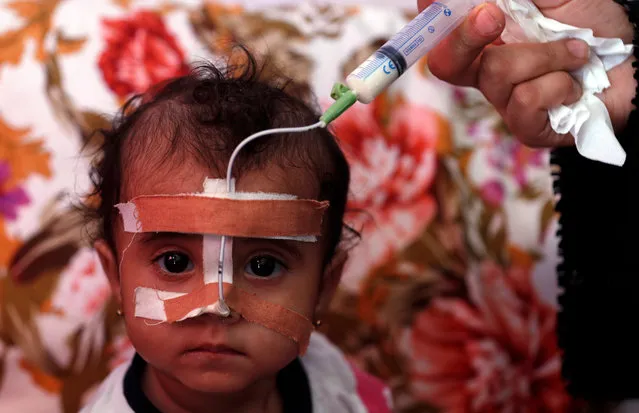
x,y
120,350
493,352
83,288
498,161
510,156
393,166
10,199
374,393
493,193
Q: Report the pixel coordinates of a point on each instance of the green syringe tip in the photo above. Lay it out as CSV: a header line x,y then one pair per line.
x,y
344,99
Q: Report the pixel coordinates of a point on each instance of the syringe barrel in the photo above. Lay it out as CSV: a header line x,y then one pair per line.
x,y
405,48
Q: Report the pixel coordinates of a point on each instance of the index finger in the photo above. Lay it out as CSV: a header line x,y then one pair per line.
x,y
454,60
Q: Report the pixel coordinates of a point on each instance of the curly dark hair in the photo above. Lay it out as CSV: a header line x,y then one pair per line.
x,y
205,115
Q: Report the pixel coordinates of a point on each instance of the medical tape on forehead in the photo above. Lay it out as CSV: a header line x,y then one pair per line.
x,y
165,306
247,218
215,213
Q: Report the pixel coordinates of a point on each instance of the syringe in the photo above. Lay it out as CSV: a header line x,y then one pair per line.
x,y
397,55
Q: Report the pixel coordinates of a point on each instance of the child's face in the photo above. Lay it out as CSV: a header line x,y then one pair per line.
x,y
287,273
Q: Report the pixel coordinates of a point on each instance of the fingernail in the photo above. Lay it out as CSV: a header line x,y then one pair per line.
x,y
486,22
578,48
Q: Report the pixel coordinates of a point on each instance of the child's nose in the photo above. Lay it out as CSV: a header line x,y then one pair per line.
x,y
232,318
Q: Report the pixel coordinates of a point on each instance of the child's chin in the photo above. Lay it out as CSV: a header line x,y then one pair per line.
x,y
219,382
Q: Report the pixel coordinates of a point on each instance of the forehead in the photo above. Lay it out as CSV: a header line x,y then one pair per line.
x,y
187,175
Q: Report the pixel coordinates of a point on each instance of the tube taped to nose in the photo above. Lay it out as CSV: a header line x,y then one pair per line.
x,y
173,307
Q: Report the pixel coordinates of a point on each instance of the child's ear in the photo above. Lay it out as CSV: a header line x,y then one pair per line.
x,y
109,264
330,281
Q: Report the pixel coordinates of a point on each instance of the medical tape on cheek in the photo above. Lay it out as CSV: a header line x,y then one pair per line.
x,y
174,307
166,306
282,320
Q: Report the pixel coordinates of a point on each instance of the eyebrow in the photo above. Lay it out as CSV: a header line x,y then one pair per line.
x,y
288,245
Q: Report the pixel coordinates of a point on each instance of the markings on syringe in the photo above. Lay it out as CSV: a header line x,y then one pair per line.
x,y
371,65
432,12
378,60
431,29
390,65
414,45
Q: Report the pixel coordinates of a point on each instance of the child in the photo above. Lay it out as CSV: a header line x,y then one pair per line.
x,y
178,137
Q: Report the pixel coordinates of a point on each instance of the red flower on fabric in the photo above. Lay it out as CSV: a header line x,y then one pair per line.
x,y
393,165
140,52
494,352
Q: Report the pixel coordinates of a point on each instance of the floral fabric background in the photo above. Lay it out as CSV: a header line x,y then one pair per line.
x,y
449,298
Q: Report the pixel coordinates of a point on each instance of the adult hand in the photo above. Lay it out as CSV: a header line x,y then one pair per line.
x,y
524,80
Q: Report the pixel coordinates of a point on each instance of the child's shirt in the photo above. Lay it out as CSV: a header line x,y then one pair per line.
x,y
322,381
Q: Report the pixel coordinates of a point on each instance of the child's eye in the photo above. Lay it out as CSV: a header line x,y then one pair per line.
x,y
264,266
174,262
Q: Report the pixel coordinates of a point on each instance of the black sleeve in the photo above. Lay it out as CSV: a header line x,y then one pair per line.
x,y
598,323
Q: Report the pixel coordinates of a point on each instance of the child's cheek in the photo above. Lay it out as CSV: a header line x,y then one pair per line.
x,y
158,344
270,350
297,292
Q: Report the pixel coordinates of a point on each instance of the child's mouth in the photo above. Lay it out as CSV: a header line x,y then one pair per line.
x,y
215,349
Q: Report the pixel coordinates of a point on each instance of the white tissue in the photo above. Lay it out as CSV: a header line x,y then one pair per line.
x,y
587,120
